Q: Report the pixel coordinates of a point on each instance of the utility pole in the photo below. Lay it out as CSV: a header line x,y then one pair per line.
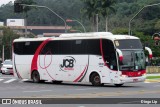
x,y
18,8
129,31
25,23
96,22
70,20
3,53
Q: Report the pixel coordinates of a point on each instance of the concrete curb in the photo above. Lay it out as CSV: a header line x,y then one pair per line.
x,y
157,80
152,80
153,74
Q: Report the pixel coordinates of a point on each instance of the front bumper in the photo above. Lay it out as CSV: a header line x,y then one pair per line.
x,y
132,79
7,71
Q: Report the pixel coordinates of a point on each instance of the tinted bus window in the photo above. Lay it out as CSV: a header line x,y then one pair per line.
x,y
128,44
65,47
52,47
79,47
60,47
94,47
26,48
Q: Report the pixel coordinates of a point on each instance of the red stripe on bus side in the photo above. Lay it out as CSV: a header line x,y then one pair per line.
x,y
45,67
34,65
85,69
101,48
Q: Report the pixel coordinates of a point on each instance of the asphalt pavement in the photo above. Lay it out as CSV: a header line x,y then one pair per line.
x,y
11,87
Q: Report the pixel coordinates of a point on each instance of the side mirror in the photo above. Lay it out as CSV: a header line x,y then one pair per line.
x,y
149,51
120,54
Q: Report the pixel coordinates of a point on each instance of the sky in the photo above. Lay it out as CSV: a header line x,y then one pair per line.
x,y
5,1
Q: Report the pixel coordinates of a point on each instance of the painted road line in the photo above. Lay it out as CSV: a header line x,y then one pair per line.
x,y
1,79
23,80
157,86
147,82
37,91
8,77
9,81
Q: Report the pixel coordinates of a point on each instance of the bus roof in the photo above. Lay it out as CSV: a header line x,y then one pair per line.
x,y
90,35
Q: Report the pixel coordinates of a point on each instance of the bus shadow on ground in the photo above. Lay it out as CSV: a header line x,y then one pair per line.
x,y
86,85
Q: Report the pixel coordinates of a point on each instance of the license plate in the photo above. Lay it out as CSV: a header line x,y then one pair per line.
x,y
135,80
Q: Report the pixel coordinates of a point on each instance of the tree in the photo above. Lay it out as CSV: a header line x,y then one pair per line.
x,y
101,7
7,37
28,2
106,8
91,9
157,25
121,31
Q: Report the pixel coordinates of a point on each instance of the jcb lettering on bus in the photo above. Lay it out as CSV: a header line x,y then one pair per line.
x,y
68,63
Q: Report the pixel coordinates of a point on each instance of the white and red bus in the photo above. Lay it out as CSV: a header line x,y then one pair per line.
x,y
98,58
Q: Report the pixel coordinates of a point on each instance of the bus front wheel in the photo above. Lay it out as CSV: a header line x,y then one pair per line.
x,y
35,77
96,80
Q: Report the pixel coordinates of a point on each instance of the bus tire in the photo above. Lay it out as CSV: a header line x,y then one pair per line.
x,y
118,85
96,80
36,77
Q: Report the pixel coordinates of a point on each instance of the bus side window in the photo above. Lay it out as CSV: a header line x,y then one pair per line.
x,y
18,48
79,47
93,47
26,48
65,47
51,47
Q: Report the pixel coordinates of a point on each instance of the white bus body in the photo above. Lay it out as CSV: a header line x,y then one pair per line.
x,y
98,58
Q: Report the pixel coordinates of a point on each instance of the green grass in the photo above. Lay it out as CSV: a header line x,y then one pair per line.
x,y
153,77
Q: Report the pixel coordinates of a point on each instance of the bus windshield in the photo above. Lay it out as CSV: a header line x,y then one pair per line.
x,y
132,60
128,44
133,55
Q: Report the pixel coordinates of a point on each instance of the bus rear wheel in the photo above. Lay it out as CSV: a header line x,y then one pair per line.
x,y
96,80
36,77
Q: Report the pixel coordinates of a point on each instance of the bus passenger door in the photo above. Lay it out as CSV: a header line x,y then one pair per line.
x,y
109,58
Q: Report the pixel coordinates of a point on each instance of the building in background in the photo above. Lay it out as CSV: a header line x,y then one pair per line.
x,y
15,22
1,23
46,31
18,26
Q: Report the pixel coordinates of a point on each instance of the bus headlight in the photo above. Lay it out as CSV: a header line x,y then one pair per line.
x,y
124,76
